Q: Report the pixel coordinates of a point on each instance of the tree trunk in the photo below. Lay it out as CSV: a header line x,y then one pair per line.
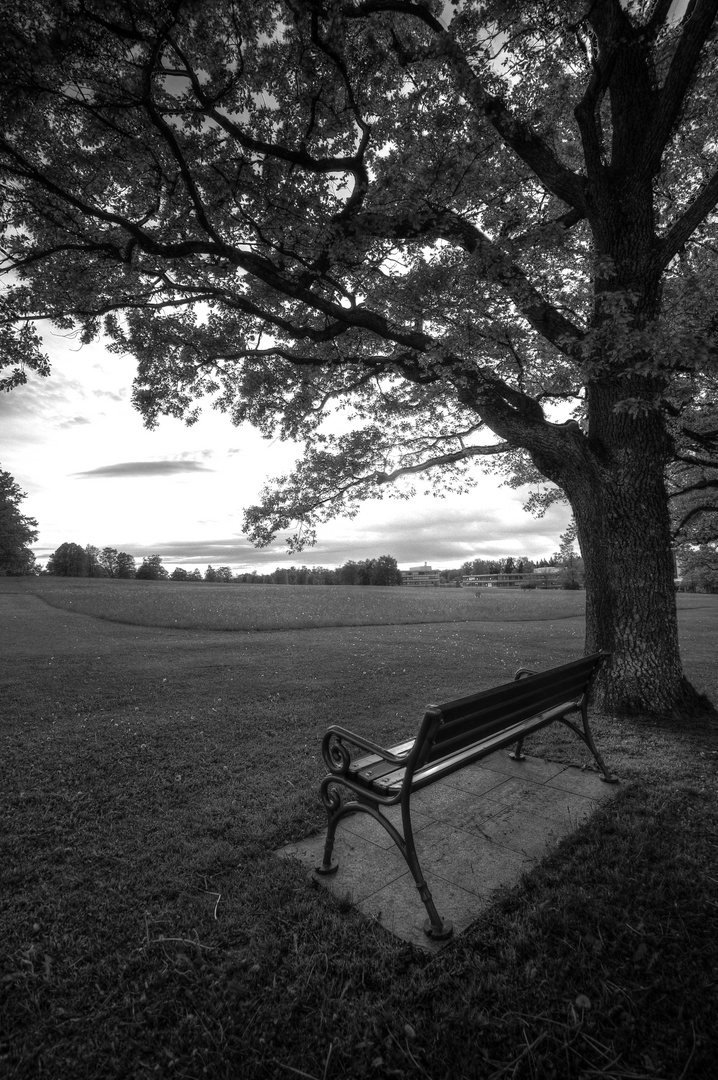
x,y
614,480
624,535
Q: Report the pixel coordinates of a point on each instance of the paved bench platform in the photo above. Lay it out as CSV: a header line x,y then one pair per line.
x,y
476,830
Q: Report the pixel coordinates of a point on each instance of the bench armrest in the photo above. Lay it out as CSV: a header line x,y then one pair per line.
x,y
524,671
337,756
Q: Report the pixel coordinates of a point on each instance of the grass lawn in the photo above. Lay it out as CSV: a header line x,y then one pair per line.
x,y
150,767
201,606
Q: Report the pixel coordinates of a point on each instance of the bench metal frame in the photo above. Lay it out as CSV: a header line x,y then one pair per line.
x,y
450,736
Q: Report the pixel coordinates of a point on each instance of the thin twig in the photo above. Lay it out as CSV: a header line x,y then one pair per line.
x,y
326,1063
185,941
407,1052
297,1072
522,1055
690,1056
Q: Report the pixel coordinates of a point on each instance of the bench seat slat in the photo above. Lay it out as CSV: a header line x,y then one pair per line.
x,y
388,781
359,765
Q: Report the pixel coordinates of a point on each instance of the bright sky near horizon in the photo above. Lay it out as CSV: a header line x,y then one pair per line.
x,y
94,475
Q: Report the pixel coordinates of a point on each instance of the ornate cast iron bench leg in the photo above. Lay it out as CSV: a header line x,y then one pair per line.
x,y
334,808
434,927
516,754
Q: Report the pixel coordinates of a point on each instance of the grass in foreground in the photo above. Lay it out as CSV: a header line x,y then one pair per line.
x,y
148,929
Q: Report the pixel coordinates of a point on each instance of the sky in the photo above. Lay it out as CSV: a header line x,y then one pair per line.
x,y
94,475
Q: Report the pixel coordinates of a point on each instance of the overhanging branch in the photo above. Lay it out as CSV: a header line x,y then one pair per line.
x,y
697,24
681,231
465,454
514,133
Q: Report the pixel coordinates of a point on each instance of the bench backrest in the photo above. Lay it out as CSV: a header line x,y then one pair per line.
x,y
469,719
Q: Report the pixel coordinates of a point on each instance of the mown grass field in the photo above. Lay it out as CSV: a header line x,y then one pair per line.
x,y
149,769
202,606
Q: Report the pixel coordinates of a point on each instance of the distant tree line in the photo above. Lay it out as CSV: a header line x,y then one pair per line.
x,y
73,560
507,565
698,563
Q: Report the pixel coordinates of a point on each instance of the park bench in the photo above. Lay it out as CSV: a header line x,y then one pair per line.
x,y
450,736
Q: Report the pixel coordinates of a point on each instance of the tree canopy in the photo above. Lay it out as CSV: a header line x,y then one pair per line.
x,y
151,569
445,220
69,560
17,531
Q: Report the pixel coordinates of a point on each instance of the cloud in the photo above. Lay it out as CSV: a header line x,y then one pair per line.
x,y
119,395
438,534
75,421
138,469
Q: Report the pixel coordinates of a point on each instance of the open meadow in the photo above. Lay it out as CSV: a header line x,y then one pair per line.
x,y
156,750
203,606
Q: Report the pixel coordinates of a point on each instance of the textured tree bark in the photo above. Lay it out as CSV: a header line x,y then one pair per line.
x,y
624,535
614,480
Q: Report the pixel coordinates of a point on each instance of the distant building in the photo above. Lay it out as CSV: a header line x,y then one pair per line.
x,y
421,576
543,577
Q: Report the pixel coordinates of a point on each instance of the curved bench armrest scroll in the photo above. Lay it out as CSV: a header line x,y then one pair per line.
x,y
337,756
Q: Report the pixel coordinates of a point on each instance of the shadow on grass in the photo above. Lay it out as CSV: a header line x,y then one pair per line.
x,y
602,962
148,930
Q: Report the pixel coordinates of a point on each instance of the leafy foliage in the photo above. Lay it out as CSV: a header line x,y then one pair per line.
x,y
72,560
355,205
699,567
693,476
17,531
152,569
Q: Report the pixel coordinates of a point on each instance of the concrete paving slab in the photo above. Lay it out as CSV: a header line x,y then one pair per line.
x,y
544,800
582,782
399,909
469,860
476,831
524,832
529,768
473,778
365,825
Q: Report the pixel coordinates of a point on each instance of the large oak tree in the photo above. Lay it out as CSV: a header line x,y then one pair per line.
x,y
445,219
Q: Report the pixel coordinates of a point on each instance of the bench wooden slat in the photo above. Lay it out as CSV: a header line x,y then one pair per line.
x,y
566,682
446,746
359,765
390,781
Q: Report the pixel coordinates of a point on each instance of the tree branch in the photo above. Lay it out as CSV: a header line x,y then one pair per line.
x,y
697,24
682,229
692,459
693,513
498,267
515,133
700,485
465,454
